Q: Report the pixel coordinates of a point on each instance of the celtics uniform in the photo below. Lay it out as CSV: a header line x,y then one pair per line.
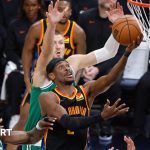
x,y
68,38
62,139
35,112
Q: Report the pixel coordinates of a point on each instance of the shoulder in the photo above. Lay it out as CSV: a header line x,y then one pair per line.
x,y
78,30
35,29
36,25
44,96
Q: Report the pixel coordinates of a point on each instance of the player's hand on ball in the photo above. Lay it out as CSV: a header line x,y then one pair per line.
x,y
135,43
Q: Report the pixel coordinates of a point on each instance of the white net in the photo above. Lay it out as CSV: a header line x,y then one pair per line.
x,y
143,16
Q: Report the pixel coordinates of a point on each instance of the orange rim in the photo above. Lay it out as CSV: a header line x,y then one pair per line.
x,y
139,4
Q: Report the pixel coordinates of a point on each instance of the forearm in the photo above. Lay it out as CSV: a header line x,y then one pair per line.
x,y
100,55
27,61
117,69
22,137
74,123
109,50
48,41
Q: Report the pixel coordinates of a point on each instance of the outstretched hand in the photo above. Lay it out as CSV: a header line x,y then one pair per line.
x,y
115,12
129,142
53,15
114,110
135,43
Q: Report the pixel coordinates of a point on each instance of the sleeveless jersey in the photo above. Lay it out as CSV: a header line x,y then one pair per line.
x,y
68,38
63,139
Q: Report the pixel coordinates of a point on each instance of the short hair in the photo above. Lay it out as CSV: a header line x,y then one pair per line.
x,y
69,1
51,65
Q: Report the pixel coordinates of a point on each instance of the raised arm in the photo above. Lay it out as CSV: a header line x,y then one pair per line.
x,y
53,16
104,82
108,51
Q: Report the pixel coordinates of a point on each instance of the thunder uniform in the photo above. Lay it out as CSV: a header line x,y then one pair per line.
x,y
68,37
62,139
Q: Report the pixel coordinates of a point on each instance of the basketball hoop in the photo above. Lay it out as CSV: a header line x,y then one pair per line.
x,y
138,9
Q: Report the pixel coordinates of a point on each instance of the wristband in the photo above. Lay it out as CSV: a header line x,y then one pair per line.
x,y
38,127
126,53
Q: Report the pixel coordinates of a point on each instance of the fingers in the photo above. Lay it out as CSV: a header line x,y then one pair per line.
x,y
50,7
112,148
128,140
131,46
50,119
122,111
135,43
47,123
117,102
107,103
121,106
130,143
56,4
1,120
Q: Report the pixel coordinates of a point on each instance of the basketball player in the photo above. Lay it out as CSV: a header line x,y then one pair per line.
x,y
74,38
40,82
68,102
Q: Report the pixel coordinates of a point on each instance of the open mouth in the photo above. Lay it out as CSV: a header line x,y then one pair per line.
x,y
58,53
69,74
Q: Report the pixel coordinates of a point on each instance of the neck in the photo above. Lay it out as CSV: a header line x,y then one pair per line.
x,y
33,19
61,27
68,90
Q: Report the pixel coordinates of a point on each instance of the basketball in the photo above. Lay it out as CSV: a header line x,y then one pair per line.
x,y
126,29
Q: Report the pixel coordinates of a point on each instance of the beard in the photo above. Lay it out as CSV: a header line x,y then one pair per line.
x,y
69,82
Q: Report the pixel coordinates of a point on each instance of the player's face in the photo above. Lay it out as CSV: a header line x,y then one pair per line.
x,y
61,6
31,9
104,5
59,46
63,73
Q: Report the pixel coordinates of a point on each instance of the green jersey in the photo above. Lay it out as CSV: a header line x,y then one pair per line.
x,y
35,111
